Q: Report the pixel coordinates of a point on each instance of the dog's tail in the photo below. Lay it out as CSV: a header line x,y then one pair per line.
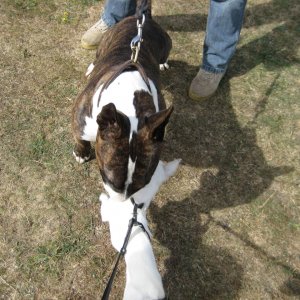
x,y
143,7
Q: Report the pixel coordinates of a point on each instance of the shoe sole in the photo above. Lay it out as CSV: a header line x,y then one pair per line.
x,y
88,46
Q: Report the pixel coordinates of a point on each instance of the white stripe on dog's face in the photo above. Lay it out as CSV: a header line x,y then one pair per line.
x,y
131,168
121,93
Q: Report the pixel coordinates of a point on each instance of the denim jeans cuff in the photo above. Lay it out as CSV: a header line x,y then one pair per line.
x,y
106,20
212,70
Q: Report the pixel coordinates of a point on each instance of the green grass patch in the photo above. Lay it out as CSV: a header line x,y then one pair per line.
x,y
49,257
39,147
274,123
26,4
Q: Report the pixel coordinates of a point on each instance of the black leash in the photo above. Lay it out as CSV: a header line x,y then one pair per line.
x,y
132,222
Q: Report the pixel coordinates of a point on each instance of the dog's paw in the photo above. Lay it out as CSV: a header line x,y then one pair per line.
x,y
171,167
89,70
103,197
79,159
164,66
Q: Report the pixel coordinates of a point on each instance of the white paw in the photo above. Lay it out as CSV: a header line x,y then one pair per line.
x,y
80,159
164,66
171,167
89,70
103,197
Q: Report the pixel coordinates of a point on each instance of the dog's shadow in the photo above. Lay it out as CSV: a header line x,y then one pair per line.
x,y
208,136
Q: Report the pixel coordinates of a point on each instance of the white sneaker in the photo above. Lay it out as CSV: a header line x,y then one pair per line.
x,y
92,36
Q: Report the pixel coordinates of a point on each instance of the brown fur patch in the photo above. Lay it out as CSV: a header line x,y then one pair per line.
x,y
112,146
144,106
146,160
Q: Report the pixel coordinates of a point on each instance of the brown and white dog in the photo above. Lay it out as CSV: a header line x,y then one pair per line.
x,y
124,112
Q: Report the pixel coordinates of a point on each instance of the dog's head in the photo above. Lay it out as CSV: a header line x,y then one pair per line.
x,y
127,159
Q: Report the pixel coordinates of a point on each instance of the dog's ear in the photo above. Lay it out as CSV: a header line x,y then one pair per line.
x,y
157,122
112,123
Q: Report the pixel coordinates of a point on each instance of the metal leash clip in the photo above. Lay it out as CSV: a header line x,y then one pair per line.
x,y
135,44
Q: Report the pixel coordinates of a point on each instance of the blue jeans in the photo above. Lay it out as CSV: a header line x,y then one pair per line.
x,y
224,24
116,10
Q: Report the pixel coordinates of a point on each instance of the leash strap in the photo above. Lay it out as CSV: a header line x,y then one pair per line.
x,y
136,42
111,279
132,222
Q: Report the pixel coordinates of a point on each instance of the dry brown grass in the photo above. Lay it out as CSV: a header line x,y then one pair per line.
x,y
225,227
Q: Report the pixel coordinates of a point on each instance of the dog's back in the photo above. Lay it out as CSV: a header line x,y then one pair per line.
x,y
114,49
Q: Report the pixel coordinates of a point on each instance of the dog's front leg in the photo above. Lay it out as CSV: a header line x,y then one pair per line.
x,y
81,109
82,150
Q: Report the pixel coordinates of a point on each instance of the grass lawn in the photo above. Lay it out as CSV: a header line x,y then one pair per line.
x,y
227,226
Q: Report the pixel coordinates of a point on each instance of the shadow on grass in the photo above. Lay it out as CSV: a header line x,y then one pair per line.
x,y
276,11
208,135
270,50
194,270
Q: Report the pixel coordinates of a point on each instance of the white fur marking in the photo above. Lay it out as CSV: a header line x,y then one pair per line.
x,y
130,171
89,70
113,194
80,159
143,280
121,93
154,95
164,66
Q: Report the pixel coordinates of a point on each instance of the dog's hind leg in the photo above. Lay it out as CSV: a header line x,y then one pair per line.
x,y
164,66
82,151
163,63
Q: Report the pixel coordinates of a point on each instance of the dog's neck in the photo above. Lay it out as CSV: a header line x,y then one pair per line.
x,y
143,280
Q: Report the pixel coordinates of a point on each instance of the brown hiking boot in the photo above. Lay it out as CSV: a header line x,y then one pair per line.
x,y
92,36
204,84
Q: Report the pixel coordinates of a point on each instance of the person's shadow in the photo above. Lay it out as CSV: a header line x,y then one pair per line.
x,y
208,136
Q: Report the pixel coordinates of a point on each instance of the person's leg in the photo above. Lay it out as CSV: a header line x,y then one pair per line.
x,y
223,29
114,11
224,24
